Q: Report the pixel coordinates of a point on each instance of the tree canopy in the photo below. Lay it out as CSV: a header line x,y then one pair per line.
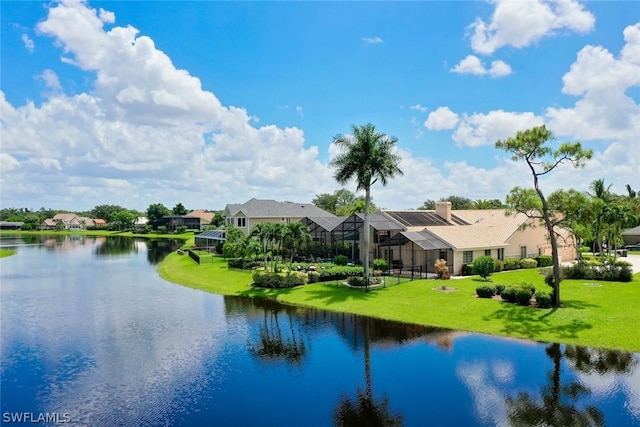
x,y
530,146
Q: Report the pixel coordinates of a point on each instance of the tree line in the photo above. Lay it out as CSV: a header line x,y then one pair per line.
x,y
117,217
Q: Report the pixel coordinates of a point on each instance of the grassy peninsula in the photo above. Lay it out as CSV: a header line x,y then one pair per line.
x,y
602,314
6,252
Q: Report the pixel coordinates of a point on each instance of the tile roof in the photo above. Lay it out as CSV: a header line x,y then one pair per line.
x,y
473,236
487,228
203,214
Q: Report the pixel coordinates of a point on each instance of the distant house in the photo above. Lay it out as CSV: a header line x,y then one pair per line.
x,y
48,224
11,225
141,222
631,236
246,215
206,217
69,221
100,223
172,222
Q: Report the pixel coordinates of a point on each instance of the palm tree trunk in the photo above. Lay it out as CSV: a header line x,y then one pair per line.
x,y
367,235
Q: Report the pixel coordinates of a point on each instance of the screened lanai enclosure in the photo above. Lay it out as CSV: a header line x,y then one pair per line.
x,y
416,250
209,239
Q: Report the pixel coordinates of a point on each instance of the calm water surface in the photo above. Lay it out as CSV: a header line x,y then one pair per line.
x,y
90,332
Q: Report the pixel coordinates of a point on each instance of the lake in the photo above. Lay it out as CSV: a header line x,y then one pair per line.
x,y
92,336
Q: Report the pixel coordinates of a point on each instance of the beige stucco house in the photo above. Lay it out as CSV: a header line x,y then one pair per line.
x,y
70,221
461,236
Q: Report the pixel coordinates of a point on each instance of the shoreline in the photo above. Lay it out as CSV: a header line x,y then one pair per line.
x,y
99,233
590,318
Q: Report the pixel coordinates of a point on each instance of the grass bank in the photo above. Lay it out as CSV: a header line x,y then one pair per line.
x,y
605,315
6,253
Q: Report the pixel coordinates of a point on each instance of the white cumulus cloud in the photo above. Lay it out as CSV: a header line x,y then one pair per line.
x,y
441,118
520,23
604,110
471,64
485,129
148,127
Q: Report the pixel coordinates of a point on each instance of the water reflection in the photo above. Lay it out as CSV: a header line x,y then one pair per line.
x,y
156,249
113,344
559,401
280,340
364,409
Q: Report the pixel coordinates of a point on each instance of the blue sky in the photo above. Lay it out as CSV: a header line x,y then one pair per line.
x,y
208,103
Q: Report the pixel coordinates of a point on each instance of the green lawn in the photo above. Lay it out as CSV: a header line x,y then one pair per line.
x,y
606,315
6,253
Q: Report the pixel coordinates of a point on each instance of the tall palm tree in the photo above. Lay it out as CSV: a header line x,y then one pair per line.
x,y
368,157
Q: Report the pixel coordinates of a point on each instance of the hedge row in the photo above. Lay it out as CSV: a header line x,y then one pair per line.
x,y
268,279
619,272
511,264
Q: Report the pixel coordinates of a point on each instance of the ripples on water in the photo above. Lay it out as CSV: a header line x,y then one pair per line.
x,y
113,344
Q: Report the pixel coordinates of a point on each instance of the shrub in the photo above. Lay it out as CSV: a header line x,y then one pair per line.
x,y
549,279
484,266
162,229
381,264
499,288
543,300
467,269
485,291
340,260
355,281
294,278
441,268
528,263
512,263
544,260
523,296
313,276
499,266
613,273
528,286
243,264
509,294
268,279
181,229
340,272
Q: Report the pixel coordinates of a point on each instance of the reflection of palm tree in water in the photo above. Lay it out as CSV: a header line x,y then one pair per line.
x,y
364,410
273,346
558,406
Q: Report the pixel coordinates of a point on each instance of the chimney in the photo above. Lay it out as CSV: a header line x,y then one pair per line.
x,y
443,210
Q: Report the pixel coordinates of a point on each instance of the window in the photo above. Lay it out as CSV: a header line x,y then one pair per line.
x,y
443,254
523,251
242,222
487,252
467,257
501,253
230,220
379,236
